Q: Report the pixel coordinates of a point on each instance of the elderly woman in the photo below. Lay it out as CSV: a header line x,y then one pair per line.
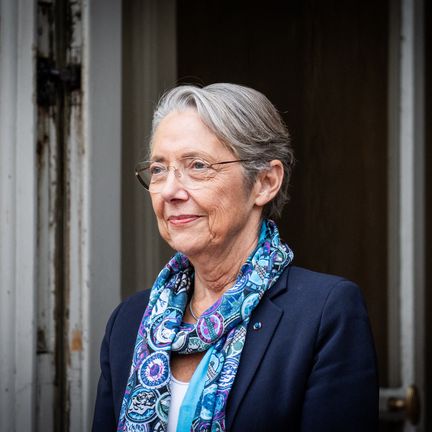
x,y
232,336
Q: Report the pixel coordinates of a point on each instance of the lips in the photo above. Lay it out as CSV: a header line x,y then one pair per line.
x,y
183,219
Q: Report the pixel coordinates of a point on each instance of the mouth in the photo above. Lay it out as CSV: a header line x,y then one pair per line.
x,y
182,219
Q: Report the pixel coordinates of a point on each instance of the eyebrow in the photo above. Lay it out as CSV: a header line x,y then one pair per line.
x,y
158,158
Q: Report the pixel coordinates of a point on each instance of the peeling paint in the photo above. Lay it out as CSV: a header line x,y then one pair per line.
x,y
42,346
76,341
59,99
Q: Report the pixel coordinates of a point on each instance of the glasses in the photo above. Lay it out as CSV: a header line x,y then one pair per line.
x,y
191,171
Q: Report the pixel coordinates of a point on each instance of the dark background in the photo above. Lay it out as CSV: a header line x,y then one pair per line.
x,y
325,67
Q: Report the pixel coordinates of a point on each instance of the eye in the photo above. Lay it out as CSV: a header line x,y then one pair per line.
x,y
156,168
197,165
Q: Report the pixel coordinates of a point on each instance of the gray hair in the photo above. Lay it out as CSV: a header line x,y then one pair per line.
x,y
245,121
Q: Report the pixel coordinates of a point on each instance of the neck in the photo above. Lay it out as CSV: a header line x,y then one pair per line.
x,y
216,273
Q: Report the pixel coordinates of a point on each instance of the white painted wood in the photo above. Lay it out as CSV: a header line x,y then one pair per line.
x,y
45,262
77,208
419,184
407,201
17,216
412,229
47,184
407,211
100,227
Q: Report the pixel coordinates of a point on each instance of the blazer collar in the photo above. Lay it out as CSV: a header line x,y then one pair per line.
x,y
280,286
268,314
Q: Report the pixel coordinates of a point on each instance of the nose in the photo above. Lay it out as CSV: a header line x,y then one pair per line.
x,y
173,187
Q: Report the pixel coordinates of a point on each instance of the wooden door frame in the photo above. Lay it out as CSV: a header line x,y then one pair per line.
x,y
406,194
95,208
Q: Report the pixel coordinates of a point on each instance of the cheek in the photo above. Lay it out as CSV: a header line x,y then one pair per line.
x,y
219,200
158,211
164,232
157,205
226,207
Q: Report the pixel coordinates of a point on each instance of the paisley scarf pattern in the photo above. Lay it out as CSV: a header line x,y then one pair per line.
x,y
147,396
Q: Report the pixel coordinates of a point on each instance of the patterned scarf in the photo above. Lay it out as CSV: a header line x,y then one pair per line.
x,y
147,396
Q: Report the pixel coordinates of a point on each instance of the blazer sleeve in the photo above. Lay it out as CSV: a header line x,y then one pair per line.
x,y
342,390
104,419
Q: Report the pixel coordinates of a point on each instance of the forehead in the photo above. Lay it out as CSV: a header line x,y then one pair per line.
x,y
182,134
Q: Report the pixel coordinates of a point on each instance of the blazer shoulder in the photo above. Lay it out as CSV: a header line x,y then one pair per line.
x,y
137,299
132,308
310,278
300,288
315,283
128,314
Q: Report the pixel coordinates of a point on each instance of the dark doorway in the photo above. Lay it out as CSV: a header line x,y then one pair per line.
x,y
325,66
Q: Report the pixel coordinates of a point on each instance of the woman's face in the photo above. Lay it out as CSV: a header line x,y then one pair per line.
x,y
219,214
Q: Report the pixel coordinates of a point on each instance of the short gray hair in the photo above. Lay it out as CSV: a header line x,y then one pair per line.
x,y
245,121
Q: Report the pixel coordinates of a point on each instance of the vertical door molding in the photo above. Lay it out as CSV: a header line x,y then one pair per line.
x,y
101,200
411,205
406,203
17,215
61,203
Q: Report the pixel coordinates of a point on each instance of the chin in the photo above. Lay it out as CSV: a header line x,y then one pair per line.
x,y
186,244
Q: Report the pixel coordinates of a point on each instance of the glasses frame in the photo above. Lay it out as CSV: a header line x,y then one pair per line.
x,y
145,164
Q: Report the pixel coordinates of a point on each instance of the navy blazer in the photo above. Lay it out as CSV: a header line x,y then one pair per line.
x,y
311,365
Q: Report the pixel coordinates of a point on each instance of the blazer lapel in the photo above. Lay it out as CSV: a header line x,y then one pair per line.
x,y
266,316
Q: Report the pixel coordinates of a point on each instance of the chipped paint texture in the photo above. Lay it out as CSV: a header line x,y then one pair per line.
x,y
76,341
59,255
60,152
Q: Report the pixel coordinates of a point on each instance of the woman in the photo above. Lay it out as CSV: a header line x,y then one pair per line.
x,y
232,336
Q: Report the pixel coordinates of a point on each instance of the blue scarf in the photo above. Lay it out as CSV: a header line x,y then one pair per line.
x,y
147,396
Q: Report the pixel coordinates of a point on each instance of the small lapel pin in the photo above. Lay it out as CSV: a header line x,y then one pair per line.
x,y
257,325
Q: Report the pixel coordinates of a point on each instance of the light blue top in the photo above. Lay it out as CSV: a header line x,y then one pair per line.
x,y
193,393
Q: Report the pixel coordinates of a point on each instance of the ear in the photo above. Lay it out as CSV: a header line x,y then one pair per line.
x,y
268,183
